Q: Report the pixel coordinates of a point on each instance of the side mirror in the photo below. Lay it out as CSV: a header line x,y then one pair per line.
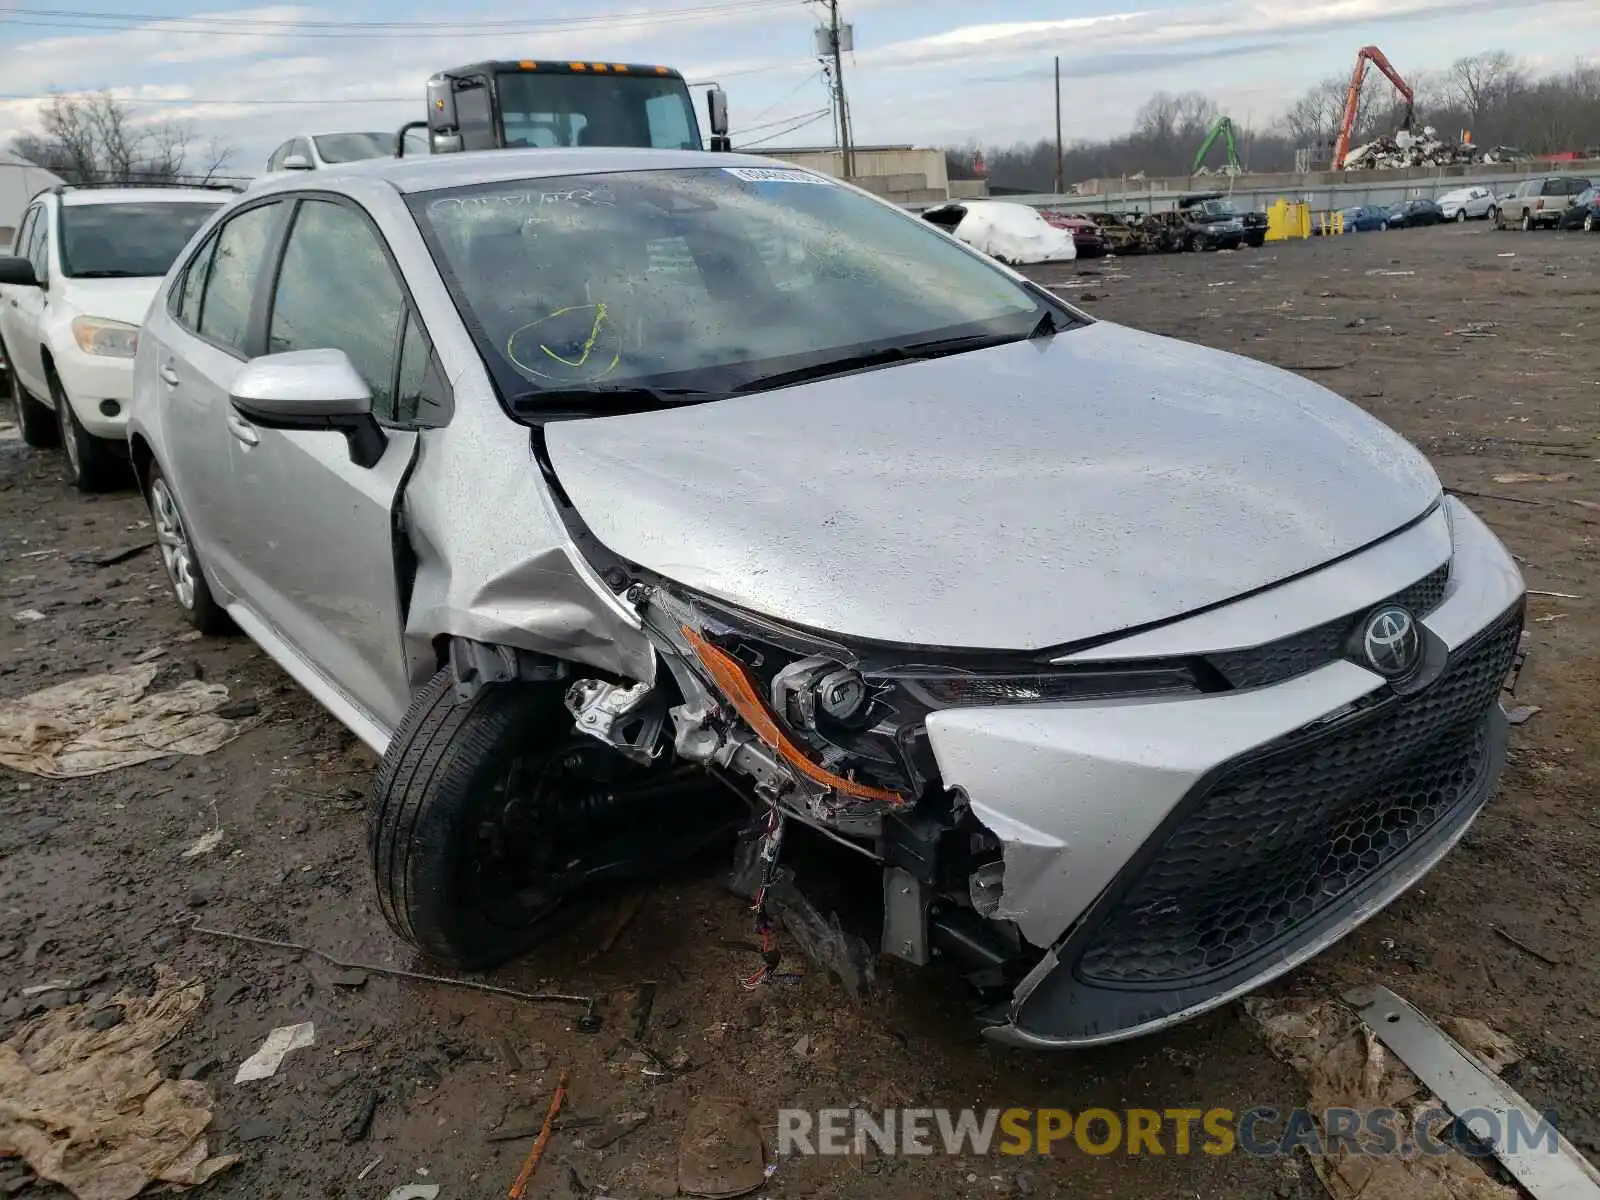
x,y
310,390
297,162
717,112
18,271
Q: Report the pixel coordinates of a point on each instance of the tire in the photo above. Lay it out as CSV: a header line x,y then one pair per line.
x,y
1494,217
1383,227
1527,222
1588,222
35,421
178,555
483,812
1461,216
91,461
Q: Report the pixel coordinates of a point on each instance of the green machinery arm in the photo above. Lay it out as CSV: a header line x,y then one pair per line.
x,y
1224,128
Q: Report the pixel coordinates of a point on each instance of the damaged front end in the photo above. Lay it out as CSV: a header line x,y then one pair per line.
x,y
836,738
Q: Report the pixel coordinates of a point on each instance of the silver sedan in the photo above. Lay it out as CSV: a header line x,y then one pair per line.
x,y
619,499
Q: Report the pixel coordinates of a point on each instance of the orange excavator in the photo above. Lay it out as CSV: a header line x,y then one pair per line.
x,y
1352,100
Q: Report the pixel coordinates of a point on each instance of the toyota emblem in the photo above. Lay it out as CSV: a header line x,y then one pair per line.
x,y
1391,642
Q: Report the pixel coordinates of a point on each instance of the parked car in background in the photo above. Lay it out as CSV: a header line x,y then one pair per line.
x,y
1539,203
315,151
1204,222
1467,204
1008,232
1255,228
786,518
1584,213
1086,236
1364,218
1408,214
72,298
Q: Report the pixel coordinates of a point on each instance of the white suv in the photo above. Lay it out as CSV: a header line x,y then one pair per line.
x,y
85,263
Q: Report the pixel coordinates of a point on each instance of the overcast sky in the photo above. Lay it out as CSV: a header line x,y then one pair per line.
x,y
924,71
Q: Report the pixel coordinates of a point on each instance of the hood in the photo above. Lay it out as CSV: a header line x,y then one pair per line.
x,y
125,300
1021,497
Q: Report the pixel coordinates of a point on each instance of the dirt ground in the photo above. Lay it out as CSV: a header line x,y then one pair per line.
x,y
1481,347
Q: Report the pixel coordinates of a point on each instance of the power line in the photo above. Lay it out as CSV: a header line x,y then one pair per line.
x,y
103,22
224,103
806,116
812,120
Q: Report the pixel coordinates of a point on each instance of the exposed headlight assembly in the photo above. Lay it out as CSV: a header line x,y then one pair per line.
x,y
851,720
106,339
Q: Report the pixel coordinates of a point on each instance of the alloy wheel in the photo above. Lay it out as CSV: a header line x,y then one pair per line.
x,y
173,539
1588,222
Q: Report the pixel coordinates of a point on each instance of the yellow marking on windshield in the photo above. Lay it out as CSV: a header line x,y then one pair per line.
x,y
586,352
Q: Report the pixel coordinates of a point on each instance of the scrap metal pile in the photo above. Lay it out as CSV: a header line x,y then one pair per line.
x,y
1407,149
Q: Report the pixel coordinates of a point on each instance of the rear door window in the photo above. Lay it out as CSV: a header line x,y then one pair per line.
x,y
231,282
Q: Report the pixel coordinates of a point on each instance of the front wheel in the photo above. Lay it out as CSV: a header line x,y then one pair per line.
x,y
1588,222
1383,226
94,466
1461,217
491,815
1494,216
1527,222
35,421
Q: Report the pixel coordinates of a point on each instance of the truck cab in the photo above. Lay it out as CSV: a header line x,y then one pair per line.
x,y
523,103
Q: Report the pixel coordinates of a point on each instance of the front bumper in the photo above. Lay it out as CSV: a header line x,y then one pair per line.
x,y
1173,854
92,380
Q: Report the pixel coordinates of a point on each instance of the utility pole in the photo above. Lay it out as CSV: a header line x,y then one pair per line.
x,y
841,106
1059,157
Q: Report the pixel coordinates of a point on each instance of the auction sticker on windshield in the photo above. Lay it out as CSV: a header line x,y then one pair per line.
x,y
775,175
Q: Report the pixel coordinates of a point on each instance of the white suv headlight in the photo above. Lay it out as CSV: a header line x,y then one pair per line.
x,y
109,339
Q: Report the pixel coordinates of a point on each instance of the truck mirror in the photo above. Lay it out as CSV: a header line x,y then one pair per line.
x,y
442,103
717,110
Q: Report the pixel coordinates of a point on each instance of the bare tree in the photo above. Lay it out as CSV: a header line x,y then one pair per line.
x,y
1481,80
94,138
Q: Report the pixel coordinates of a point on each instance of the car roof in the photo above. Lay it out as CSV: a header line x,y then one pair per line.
x,y
431,172
77,197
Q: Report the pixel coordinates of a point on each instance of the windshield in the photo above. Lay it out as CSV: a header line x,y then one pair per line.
x,y
704,278
352,147
128,239
1220,208
597,110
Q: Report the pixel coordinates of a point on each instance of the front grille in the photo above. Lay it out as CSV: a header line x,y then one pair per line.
x,y
1274,662
1280,836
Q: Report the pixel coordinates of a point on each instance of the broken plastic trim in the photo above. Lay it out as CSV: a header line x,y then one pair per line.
x,y
736,687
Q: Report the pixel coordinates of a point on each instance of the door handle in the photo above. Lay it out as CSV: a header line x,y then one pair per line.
x,y
169,376
243,430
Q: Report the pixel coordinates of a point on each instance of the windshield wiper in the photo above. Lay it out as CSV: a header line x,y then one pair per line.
x,y
911,352
110,275
600,400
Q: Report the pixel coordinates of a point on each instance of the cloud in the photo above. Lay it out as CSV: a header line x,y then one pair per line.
x,y
1133,62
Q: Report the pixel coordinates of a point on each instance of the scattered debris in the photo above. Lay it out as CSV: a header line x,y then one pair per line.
x,y
365,1043
1522,714
1552,617
99,723
1512,939
720,1154
531,1163
114,557
204,844
1534,477
643,1003
622,913
1408,149
28,616
1554,595
614,1130
414,1191
368,1169
264,1062
90,1110
1345,1067
1467,1086
587,1022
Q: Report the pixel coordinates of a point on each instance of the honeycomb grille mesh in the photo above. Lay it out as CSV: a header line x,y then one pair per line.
x,y
1298,653
1279,838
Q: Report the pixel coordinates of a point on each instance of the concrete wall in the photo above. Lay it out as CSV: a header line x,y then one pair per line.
x,y
1323,190
900,173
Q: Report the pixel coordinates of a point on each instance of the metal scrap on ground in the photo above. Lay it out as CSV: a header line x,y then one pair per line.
x,y
99,723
